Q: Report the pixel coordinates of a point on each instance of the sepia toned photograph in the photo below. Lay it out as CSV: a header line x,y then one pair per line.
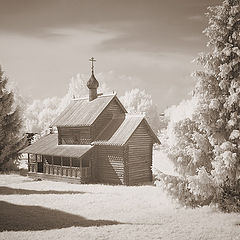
x,y
119,119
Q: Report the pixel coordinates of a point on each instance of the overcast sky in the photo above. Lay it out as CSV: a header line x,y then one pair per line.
x,y
148,44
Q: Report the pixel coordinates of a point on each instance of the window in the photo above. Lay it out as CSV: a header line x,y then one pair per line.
x,y
67,140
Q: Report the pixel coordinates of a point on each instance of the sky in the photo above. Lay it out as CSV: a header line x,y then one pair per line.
x,y
145,44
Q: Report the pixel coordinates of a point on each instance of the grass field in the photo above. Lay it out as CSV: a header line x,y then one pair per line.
x,y
53,210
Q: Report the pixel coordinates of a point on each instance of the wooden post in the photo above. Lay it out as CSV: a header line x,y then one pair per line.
x,y
81,167
28,163
61,166
52,166
70,159
90,166
42,163
36,165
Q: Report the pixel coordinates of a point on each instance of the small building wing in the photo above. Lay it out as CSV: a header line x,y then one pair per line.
x,y
119,130
48,145
82,112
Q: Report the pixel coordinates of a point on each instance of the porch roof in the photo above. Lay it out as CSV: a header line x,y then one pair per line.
x,y
48,145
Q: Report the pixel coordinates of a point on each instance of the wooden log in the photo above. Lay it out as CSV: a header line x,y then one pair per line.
x,y
61,166
52,166
80,167
70,159
28,163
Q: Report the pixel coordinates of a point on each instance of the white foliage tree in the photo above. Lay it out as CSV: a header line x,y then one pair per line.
x,y
137,101
205,146
40,113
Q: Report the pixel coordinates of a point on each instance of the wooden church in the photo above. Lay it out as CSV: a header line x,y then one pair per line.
x,y
96,141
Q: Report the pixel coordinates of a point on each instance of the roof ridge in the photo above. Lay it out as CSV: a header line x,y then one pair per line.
x,y
81,98
107,95
128,115
99,96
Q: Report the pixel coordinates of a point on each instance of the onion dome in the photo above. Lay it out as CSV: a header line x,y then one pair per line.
x,y
92,82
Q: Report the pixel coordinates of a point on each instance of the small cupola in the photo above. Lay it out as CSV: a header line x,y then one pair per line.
x,y
92,83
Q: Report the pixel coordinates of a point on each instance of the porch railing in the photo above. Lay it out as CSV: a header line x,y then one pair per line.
x,y
32,167
67,171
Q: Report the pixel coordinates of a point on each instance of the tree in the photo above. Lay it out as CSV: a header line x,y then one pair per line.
x,y
205,146
39,115
11,140
137,101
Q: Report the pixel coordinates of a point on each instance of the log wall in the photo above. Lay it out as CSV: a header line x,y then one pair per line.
x,y
71,135
112,110
140,156
109,165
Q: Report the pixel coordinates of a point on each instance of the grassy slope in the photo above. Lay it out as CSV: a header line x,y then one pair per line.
x,y
71,211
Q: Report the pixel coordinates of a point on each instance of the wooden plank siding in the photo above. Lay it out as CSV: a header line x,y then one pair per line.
x,y
140,156
74,135
110,164
111,111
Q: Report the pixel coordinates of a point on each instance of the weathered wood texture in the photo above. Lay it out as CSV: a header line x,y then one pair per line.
x,y
140,156
74,136
126,167
110,164
112,110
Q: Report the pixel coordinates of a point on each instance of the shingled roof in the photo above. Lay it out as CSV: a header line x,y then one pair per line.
x,y
82,112
119,130
48,145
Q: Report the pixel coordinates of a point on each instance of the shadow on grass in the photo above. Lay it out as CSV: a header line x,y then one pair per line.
x,y
12,191
33,218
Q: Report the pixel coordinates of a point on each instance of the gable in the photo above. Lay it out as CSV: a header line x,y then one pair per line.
x,y
141,136
120,130
112,110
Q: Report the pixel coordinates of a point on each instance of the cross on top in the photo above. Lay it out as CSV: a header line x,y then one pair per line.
x,y
92,60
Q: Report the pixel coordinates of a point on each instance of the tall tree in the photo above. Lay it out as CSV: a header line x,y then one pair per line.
x,y
137,101
205,147
10,125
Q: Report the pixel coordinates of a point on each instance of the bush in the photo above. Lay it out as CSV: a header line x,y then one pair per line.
x,y
229,199
11,165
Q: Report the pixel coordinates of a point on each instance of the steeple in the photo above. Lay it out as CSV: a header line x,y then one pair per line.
x,y
92,83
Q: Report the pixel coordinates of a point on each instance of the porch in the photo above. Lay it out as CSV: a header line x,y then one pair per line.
x,y
59,168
